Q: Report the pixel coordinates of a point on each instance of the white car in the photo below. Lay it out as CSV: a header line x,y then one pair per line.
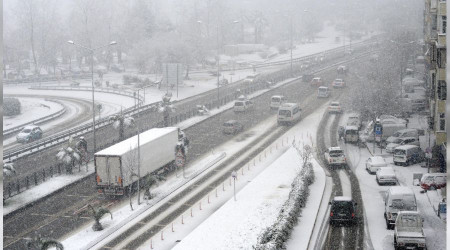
x,y
374,163
338,83
276,101
386,175
335,156
400,142
334,107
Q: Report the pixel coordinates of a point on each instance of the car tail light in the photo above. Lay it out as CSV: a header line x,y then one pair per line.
x,y
120,180
331,214
353,215
100,191
98,179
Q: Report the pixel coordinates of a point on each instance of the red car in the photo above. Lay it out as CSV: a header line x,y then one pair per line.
x,y
316,81
433,181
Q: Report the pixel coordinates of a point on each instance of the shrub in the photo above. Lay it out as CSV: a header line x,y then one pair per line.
x,y
11,106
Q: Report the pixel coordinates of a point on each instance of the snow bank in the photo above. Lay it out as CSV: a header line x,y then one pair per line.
x,y
238,223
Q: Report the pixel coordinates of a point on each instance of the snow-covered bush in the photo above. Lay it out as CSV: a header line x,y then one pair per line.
x,y
11,106
275,236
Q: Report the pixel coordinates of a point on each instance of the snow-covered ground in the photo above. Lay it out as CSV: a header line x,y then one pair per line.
x,y
373,198
31,109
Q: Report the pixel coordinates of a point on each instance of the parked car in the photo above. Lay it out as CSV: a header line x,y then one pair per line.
x,y
232,127
386,175
398,199
276,101
408,232
289,113
338,83
342,210
317,81
334,107
408,154
29,133
374,163
74,84
323,92
403,133
402,141
433,181
335,156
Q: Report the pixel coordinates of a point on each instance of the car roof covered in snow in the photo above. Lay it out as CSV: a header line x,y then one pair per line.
x,y
386,171
317,78
334,148
351,128
334,103
277,96
30,127
342,198
323,87
405,147
131,143
377,159
399,190
288,105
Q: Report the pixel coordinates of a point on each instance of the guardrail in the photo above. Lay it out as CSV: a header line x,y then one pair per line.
x,y
46,78
20,185
104,90
34,147
37,121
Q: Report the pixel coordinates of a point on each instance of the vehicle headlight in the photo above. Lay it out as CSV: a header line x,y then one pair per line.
x,y
401,243
421,244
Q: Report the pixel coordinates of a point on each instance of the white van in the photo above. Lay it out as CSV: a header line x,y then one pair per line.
x,y
276,101
351,134
398,199
323,92
289,113
408,154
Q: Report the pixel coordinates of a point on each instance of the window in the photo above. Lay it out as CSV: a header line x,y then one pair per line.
x,y
442,90
444,24
441,58
441,121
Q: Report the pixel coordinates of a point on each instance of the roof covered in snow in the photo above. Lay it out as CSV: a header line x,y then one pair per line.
x,y
131,143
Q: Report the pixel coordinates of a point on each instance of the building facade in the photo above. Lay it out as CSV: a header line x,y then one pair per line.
x,y
435,29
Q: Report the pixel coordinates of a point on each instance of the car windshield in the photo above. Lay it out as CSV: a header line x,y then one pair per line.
x,y
334,104
238,104
399,152
407,203
284,113
26,130
397,140
336,153
228,124
322,90
410,220
276,99
351,132
396,134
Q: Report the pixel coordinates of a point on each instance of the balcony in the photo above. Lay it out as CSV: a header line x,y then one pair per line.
x,y
442,11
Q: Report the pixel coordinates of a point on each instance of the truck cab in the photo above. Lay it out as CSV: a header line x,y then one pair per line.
x,y
408,232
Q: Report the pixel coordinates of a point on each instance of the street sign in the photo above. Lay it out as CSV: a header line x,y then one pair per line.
x,y
234,174
378,129
179,161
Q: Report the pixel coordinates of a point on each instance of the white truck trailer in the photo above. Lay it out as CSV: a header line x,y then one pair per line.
x,y
114,166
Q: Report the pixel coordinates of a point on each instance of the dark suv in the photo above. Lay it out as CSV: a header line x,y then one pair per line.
x,y
342,211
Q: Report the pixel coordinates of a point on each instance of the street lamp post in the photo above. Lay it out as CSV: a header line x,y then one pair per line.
x,y
92,77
